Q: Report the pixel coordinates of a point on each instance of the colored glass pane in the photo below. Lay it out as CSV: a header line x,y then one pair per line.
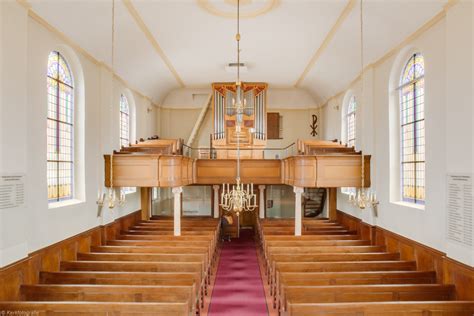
x,y
60,129
412,121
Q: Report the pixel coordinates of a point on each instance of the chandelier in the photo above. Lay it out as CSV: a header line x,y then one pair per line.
x,y
242,197
111,194
362,197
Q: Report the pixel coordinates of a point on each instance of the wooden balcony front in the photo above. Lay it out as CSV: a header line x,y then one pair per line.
x,y
319,164
258,171
148,170
325,171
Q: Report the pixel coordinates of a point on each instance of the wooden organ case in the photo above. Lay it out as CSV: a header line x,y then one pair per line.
x,y
252,136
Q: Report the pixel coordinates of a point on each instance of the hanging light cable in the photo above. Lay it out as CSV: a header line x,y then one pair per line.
x,y
363,198
239,199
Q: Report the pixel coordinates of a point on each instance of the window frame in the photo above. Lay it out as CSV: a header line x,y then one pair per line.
x,y
124,141
349,116
414,130
60,133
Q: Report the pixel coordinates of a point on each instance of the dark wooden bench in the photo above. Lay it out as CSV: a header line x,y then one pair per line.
x,y
110,293
365,293
95,308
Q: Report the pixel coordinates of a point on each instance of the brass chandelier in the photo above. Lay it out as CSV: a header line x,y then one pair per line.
x,y
242,197
363,197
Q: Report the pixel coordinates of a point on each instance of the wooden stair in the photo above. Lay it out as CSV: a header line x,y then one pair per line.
x,y
314,201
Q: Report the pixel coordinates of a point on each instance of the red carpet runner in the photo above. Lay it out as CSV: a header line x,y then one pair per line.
x,y
238,289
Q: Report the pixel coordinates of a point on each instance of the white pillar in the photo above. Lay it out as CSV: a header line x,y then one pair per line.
x,y
298,212
261,205
177,210
216,201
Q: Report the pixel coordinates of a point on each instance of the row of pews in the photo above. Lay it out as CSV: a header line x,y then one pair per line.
x,y
144,271
322,147
154,145
331,271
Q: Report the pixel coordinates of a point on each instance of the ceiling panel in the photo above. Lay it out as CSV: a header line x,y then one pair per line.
x,y
276,46
386,24
87,23
136,59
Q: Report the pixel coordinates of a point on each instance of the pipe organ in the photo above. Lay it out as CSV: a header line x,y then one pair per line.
x,y
252,135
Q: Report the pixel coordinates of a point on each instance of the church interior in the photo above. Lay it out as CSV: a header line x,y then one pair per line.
x,y
237,157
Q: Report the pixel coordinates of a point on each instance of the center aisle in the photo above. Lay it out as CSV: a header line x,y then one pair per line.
x,y
238,289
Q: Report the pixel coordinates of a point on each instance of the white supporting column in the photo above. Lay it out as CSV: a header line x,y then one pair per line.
x,y
177,210
298,212
261,205
216,201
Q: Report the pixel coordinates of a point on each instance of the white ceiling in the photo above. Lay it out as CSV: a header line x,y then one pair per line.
x,y
276,46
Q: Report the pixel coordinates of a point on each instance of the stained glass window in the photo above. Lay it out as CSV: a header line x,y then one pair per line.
x,y
124,122
412,121
125,131
351,122
350,130
60,133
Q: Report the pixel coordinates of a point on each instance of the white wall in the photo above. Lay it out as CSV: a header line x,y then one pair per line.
x,y
459,112
23,134
447,48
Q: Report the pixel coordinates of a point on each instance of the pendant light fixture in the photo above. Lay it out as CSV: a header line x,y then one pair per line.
x,y
242,197
364,197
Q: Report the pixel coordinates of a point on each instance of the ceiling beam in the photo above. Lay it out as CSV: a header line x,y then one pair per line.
x,y
342,17
141,24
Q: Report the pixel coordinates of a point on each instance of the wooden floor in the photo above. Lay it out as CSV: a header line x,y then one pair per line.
x,y
332,271
145,271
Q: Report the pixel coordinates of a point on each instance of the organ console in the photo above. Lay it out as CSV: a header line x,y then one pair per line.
x,y
252,135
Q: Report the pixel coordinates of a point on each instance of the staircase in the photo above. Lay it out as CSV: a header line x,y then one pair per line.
x,y
314,200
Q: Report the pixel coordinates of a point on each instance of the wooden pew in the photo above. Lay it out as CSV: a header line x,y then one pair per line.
x,y
109,293
364,293
361,277
120,278
158,243
204,251
150,249
166,233
328,276
441,308
153,257
95,308
147,269
128,266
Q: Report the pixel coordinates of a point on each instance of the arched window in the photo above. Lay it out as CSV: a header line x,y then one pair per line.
x,y
125,131
351,122
60,151
412,137
124,121
349,129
